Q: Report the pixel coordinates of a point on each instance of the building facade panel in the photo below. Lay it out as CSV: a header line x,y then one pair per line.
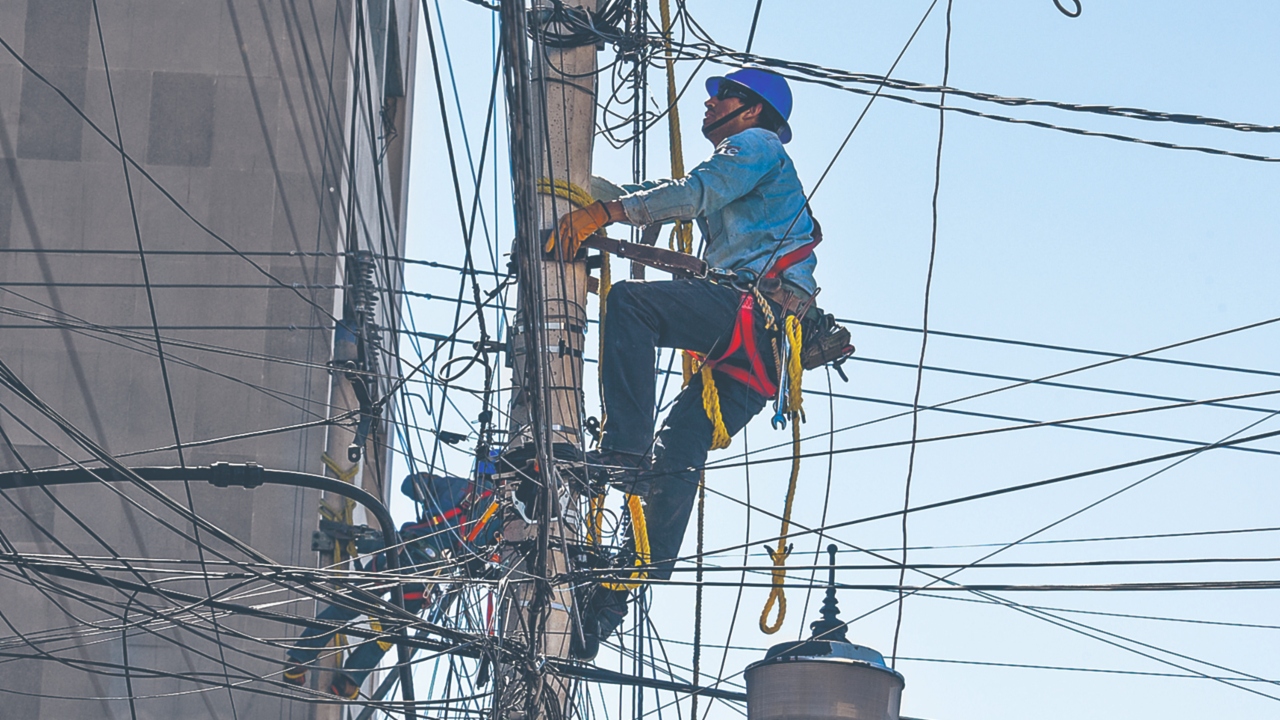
x,y
240,118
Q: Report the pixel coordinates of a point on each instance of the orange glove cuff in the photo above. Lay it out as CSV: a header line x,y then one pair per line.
x,y
578,225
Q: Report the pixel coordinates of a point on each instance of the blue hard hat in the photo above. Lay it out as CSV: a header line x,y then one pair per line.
x,y
770,86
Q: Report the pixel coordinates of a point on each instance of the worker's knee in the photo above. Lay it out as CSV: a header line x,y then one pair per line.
x,y
622,296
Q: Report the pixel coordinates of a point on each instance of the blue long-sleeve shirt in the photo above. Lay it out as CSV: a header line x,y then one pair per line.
x,y
748,202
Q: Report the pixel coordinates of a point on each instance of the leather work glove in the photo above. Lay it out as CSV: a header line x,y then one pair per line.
x,y
578,225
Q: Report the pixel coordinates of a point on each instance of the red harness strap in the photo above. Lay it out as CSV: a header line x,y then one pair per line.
x,y
796,255
449,514
756,375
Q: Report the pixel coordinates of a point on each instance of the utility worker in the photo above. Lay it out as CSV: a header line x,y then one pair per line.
x,y
417,557
455,521
758,234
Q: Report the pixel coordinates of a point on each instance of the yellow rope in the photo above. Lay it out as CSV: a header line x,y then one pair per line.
x,y
565,189
345,476
640,532
777,593
795,371
682,236
711,403
682,233
770,323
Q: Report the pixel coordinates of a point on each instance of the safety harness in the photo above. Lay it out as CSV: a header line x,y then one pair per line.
x,y
751,369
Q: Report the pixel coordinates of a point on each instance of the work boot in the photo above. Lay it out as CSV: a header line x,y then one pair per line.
x,y
295,675
610,607
344,687
626,471
584,644
599,618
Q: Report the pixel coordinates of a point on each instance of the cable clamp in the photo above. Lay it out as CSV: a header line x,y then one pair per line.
x,y
245,475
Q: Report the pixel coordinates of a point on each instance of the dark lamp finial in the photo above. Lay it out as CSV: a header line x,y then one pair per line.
x,y
829,628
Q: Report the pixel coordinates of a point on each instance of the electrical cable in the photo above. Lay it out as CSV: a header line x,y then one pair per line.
x,y
924,336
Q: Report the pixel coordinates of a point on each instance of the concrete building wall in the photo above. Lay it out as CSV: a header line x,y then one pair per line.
x,y
259,134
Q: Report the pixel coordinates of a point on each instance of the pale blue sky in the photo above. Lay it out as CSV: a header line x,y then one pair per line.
x,y
1044,237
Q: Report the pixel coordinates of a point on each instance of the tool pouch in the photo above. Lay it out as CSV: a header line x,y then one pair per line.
x,y
825,341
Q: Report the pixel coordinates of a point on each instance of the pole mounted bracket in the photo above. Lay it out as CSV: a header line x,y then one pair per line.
x,y
332,532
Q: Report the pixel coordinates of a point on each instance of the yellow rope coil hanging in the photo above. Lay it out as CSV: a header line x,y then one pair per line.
x,y
777,593
795,371
711,403
682,233
640,532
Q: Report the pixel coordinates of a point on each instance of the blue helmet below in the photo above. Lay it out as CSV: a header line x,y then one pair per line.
x,y
770,86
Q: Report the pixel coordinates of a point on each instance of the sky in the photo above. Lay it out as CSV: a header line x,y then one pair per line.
x,y
1042,237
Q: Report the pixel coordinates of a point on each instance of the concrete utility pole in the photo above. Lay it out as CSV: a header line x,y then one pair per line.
x,y
552,101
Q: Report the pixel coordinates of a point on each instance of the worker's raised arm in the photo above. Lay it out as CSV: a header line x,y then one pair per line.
x,y
736,167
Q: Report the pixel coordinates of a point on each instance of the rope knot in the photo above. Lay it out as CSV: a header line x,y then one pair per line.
x,y
779,556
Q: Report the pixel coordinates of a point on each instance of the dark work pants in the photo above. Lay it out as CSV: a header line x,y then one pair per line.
x,y
695,315
366,655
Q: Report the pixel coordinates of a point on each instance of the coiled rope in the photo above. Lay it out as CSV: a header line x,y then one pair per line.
x,y
795,403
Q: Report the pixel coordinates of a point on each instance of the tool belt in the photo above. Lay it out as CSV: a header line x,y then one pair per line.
x,y
825,340
681,265
791,303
